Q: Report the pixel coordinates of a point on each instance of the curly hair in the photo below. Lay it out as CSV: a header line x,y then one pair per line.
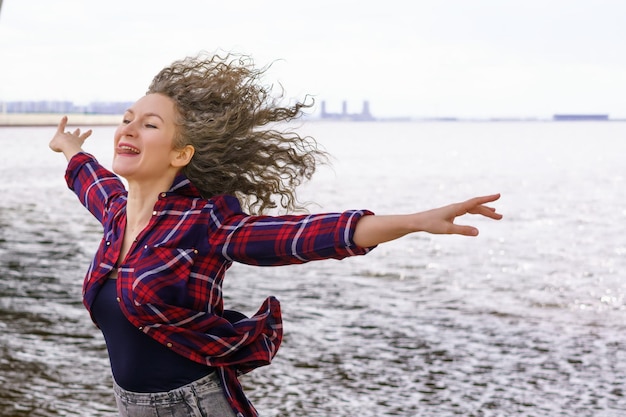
x,y
232,121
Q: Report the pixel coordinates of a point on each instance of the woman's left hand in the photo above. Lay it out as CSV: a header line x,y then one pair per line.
x,y
441,220
373,230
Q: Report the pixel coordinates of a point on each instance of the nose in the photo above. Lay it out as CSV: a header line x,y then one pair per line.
x,y
126,128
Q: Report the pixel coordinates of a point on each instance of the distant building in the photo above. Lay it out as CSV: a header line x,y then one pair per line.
x,y
105,107
65,107
38,107
365,114
580,117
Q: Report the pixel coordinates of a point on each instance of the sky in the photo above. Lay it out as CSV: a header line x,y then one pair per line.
x,y
420,58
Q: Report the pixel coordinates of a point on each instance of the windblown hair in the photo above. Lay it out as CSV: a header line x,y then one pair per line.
x,y
231,120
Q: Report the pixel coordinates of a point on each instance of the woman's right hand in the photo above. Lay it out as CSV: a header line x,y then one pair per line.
x,y
70,143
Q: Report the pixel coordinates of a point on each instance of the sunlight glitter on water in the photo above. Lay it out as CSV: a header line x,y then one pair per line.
x,y
526,319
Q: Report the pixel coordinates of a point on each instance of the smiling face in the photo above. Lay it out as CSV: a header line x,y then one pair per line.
x,y
144,149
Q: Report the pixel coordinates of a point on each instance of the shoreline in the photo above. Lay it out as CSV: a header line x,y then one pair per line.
x,y
82,119
52,119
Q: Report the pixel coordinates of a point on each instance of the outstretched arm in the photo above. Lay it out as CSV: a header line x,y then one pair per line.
x,y
373,230
68,143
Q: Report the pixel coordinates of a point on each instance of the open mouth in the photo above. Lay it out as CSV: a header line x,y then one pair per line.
x,y
126,149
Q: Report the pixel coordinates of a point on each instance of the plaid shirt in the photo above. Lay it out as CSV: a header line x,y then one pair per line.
x,y
170,284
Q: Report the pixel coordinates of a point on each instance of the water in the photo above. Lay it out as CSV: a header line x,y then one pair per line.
x,y
528,319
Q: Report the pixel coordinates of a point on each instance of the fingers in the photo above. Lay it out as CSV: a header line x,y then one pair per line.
x,y
62,124
464,230
68,142
486,211
478,201
86,134
477,206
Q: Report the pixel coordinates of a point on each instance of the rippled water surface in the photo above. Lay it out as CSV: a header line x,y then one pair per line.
x,y
528,319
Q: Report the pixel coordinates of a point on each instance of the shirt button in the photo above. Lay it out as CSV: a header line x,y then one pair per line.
x,y
154,213
140,327
169,345
145,247
195,251
118,299
163,195
108,243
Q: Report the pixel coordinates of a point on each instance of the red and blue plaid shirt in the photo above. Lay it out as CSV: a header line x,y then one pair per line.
x,y
170,284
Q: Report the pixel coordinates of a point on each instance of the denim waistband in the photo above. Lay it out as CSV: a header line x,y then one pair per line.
x,y
207,383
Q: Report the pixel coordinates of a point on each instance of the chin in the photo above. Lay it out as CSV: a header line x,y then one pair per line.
x,y
121,170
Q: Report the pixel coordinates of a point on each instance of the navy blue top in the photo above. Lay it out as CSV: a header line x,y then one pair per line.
x,y
138,362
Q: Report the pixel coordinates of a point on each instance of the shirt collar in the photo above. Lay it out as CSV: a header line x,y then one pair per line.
x,y
183,186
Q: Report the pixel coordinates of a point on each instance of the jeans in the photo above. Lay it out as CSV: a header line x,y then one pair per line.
x,y
201,398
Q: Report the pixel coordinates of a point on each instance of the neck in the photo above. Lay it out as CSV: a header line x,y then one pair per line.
x,y
142,196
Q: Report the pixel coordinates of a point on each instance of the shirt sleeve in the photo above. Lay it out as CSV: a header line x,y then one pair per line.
x,y
282,240
94,185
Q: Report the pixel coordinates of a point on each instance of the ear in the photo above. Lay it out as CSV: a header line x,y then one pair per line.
x,y
181,157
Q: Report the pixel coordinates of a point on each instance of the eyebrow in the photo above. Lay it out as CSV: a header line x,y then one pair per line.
x,y
147,114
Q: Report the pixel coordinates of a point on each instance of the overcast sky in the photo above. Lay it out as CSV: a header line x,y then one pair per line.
x,y
466,58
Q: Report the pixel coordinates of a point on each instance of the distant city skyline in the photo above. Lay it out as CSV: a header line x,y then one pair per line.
x,y
365,114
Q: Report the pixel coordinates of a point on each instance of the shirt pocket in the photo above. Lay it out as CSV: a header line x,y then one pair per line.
x,y
163,275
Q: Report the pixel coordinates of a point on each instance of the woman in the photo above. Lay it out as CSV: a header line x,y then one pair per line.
x,y
194,150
